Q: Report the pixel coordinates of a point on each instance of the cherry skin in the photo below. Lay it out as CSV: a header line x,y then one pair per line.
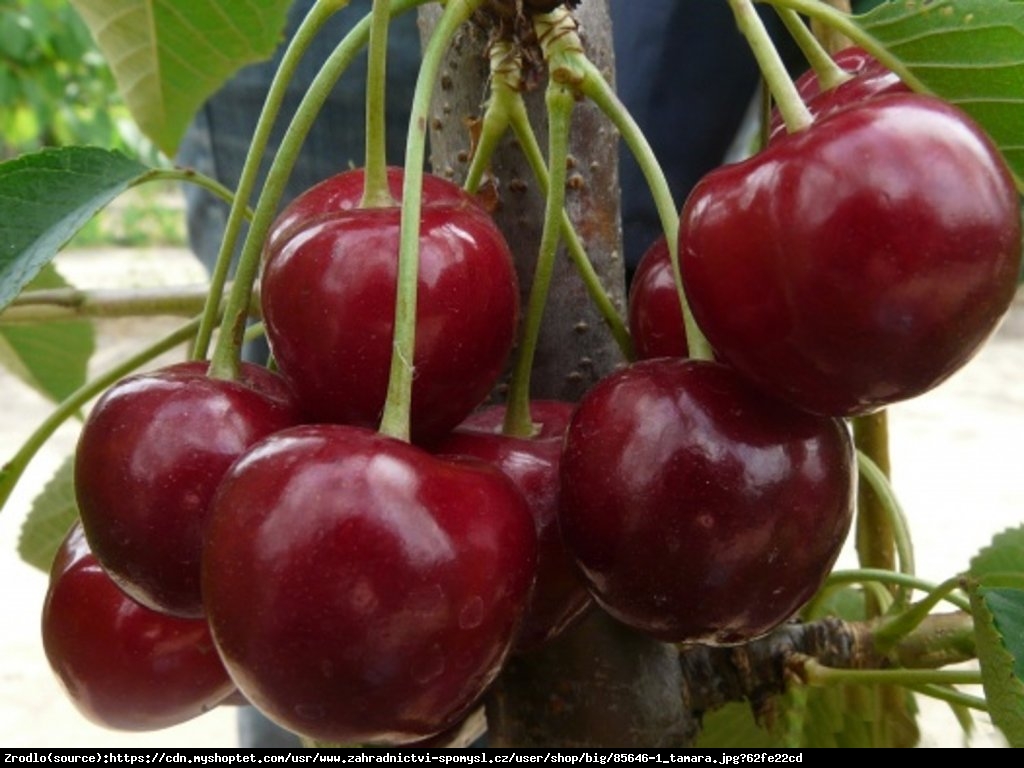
x,y
559,595
860,262
360,589
869,79
698,508
123,665
655,315
328,297
149,459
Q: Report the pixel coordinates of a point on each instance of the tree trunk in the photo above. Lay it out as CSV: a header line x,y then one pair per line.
x,y
600,684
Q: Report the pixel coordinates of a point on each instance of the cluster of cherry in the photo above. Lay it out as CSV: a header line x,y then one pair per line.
x,y
260,534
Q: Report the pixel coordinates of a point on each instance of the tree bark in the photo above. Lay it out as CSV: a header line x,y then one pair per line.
x,y
600,684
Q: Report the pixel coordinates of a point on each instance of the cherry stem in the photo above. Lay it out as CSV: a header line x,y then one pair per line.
x,y
863,575
376,193
12,471
321,11
828,72
506,107
814,672
596,88
878,482
395,419
560,103
792,108
505,87
192,176
875,535
227,353
843,23
902,624
950,696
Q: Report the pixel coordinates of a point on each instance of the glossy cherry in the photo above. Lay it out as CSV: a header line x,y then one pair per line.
x,y
655,313
857,263
869,79
328,297
123,665
149,459
360,589
560,595
698,508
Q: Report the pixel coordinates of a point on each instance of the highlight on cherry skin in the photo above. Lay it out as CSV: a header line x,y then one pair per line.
x,y
698,508
123,665
361,590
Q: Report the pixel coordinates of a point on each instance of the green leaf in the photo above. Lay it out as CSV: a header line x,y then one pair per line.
x,y
968,52
52,358
52,514
1004,555
999,634
46,197
168,56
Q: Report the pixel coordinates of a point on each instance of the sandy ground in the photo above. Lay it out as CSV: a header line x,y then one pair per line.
x,y
956,464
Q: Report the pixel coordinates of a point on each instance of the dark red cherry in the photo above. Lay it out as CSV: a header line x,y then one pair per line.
x,y
698,508
655,313
362,590
560,595
149,459
328,297
123,665
857,263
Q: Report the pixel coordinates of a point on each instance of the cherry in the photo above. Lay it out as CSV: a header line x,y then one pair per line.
x,y
655,314
698,508
123,665
360,589
559,596
870,79
857,263
149,459
328,297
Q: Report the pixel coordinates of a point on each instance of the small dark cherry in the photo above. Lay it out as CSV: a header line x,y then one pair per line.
x,y
328,298
655,312
699,509
121,664
559,595
149,459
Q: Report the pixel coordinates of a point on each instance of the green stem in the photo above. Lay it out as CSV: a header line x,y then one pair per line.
x,y
896,520
225,360
864,575
376,193
829,73
506,81
792,108
560,102
191,176
12,471
597,89
395,419
902,624
844,24
951,695
311,24
874,534
816,673
577,253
